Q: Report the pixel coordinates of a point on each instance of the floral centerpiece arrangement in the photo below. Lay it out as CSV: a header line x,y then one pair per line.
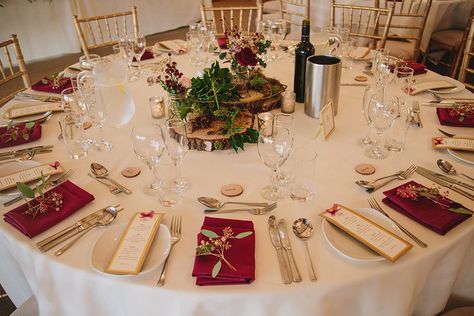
x,y
220,104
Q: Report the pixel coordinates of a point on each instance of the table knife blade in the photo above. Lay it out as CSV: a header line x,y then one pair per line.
x,y
286,243
430,175
276,242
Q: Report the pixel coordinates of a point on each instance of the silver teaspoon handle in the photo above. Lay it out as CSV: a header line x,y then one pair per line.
x,y
467,177
72,242
248,203
312,274
121,187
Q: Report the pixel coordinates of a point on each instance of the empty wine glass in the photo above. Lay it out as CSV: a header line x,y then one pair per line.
x,y
125,46
177,147
148,144
278,29
138,46
382,111
379,52
274,151
385,67
369,92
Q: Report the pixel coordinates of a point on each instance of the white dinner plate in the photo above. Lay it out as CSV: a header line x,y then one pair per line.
x,y
106,245
40,117
463,155
12,167
351,248
458,86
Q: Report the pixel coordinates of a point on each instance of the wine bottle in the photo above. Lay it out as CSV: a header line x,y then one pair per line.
x,y
302,52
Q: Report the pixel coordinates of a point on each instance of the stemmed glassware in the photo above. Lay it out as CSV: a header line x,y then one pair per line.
x,y
126,52
148,144
278,28
274,151
138,46
266,30
382,110
177,147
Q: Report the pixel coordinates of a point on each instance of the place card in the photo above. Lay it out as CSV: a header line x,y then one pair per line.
x,y
327,119
453,143
33,109
135,243
377,238
28,175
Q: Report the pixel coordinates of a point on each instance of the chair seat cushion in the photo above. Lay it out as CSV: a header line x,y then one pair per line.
x,y
271,6
448,37
401,49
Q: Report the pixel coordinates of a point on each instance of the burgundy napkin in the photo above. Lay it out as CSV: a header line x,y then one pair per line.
x,y
148,54
418,69
222,42
64,83
241,254
73,199
424,211
451,118
6,141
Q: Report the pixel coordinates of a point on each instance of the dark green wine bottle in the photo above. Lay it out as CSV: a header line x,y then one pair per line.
x,y
302,52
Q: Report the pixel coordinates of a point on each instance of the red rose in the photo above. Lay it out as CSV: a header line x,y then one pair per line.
x,y
222,42
246,57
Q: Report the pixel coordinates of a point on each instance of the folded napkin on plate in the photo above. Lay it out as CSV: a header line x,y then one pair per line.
x,y
73,199
418,69
176,46
450,117
423,210
427,85
241,254
6,137
148,54
222,42
47,85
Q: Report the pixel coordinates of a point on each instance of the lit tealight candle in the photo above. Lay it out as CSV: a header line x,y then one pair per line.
x,y
288,102
157,107
265,123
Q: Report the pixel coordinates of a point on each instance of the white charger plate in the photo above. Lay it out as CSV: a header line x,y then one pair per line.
x,y
106,245
458,86
350,248
462,155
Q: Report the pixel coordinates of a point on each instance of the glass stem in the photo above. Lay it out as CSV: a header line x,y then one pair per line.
x,y
177,168
156,180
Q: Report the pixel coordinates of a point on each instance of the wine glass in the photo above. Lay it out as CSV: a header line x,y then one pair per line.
x,y
177,147
148,144
382,111
278,29
369,92
138,46
385,67
125,46
265,28
274,151
379,52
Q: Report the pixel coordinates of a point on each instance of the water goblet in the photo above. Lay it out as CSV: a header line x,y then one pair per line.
x,y
177,147
278,28
86,62
274,151
138,45
148,144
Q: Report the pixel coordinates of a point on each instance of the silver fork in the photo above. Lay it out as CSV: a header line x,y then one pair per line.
x,y
255,211
402,176
375,205
416,110
175,237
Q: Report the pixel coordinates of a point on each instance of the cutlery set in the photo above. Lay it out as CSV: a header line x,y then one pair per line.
x,y
34,97
23,154
215,206
101,174
374,185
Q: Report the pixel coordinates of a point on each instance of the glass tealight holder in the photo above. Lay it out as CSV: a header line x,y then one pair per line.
x,y
288,102
157,107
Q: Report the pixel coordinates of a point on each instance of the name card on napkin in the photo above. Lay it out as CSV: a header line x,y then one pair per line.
x,y
135,243
454,143
28,175
33,109
377,238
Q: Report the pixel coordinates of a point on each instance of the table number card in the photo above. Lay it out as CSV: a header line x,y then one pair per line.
x,y
453,143
28,175
135,243
33,109
367,232
326,117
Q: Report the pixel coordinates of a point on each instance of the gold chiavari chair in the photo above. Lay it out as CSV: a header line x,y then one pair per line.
x,y
363,22
295,11
466,61
409,19
10,54
103,30
244,18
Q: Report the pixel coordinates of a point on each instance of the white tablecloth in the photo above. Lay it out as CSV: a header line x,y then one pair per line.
x,y
419,283
45,28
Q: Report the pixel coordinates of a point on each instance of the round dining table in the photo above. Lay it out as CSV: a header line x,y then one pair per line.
x,y
418,283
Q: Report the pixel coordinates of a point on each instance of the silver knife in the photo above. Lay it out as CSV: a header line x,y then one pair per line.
x,y
13,153
430,175
455,181
275,238
285,241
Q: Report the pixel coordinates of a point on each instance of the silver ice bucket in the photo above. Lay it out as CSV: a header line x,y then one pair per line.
x,y
323,78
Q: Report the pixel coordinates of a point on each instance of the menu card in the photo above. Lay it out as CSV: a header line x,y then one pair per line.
x,y
454,143
33,109
135,243
377,238
28,175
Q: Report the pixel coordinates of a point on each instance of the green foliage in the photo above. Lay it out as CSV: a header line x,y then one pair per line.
x,y
216,269
258,80
209,233
243,234
237,140
25,190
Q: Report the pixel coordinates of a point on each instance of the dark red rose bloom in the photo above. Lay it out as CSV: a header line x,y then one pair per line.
x,y
246,57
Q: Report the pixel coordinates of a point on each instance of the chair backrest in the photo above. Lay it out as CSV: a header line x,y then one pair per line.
x,y
362,22
10,54
245,18
468,53
409,18
103,30
295,11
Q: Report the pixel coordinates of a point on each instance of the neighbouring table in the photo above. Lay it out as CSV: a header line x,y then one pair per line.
x,y
419,283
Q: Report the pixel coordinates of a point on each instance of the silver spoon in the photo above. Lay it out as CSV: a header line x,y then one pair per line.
x,y
101,172
214,203
303,229
448,168
108,216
